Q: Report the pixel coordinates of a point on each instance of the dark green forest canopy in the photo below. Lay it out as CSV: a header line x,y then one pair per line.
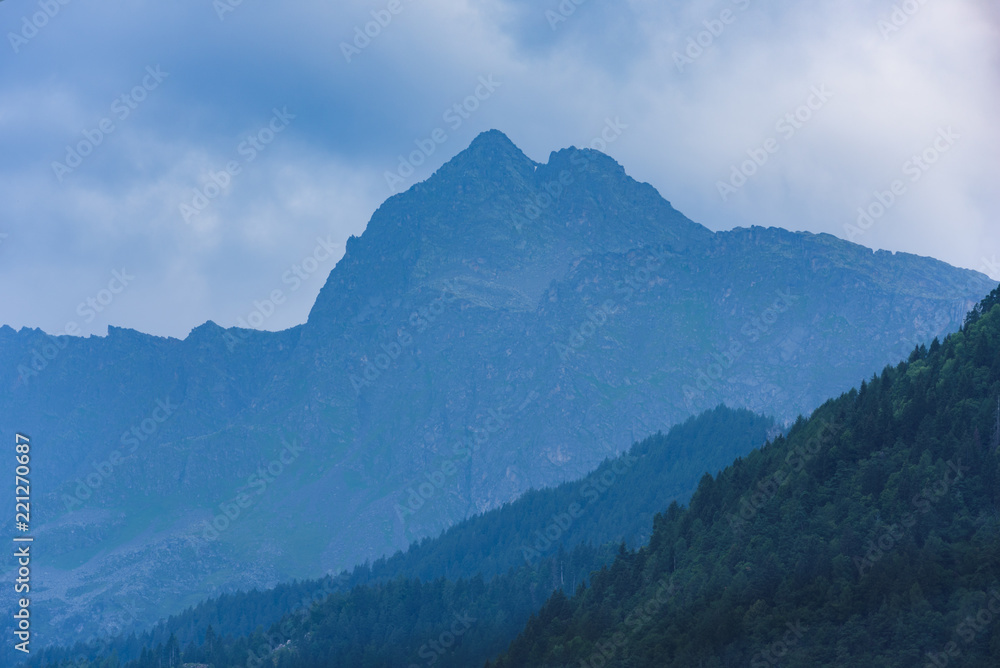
x,y
869,536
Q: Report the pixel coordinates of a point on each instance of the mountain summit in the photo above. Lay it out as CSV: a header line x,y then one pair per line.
x,y
500,228
501,326
490,155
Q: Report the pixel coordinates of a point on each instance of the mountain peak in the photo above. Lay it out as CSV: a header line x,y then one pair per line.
x,y
491,154
493,217
493,138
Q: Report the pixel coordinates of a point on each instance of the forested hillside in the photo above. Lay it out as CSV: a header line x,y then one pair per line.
x,y
542,541
869,536
471,340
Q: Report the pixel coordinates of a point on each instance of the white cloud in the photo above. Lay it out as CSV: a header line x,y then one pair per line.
x,y
613,59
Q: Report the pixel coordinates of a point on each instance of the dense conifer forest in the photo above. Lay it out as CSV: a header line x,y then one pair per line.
x,y
869,536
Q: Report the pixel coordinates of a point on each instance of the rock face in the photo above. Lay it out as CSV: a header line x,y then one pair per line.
x,y
503,325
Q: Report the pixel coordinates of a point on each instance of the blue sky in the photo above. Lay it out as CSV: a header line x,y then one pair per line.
x,y
828,106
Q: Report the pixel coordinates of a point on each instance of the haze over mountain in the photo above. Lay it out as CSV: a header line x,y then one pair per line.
x,y
867,537
502,326
545,540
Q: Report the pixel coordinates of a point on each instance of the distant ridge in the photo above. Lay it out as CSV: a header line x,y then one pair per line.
x,y
545,313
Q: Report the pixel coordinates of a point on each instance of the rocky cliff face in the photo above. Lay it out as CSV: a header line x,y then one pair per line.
x,y
501,326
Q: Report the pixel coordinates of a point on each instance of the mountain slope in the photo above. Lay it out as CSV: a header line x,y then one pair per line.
x,y
526,541
502,326
868,536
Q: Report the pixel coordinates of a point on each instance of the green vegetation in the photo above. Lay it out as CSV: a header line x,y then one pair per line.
x,y
869,536
504,564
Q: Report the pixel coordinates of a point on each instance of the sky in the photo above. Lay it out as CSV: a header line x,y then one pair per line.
x,y
165,164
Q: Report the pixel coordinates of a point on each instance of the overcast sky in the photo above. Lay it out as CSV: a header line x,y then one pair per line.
x,y
162,96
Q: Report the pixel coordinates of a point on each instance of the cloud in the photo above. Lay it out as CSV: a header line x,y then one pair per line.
x,y
561,80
